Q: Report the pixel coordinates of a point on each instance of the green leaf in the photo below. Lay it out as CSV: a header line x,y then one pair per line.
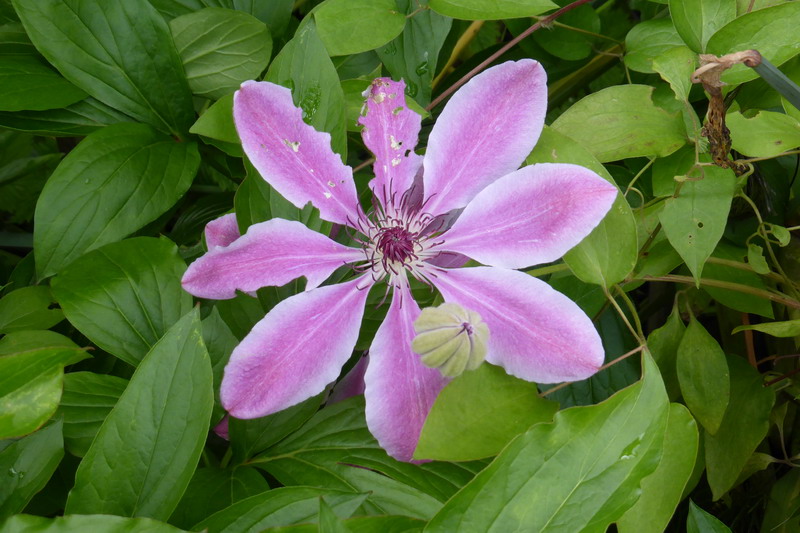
x,y
703,375
662,490
609,253
30,385
763,30
783,508
666,169
78,119
663,344
304,67
28,308
788,328
695,220
108,50
648,40
767,134
675,66
249,437
780,233
93,523
213,489
87,400
27,84
328,521
745,303
221,48
125,296
567,43
27,465
353,26
279,507
744,426
220,342
697,20
413,55
583,471
621,122
495,10
700,521
147,449
217,122
755,258
364,524
478,413
116,181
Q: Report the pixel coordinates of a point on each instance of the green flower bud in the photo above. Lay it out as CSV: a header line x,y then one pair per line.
x,y
450,338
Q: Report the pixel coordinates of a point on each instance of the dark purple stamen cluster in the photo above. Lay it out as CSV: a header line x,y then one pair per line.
x,y
396,244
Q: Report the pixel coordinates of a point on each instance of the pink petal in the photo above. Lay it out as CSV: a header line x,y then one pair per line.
x,y
390,132
222,428
352,384
531,216
294,351
400,390
484,132
271,253
292,156
535,332
222,231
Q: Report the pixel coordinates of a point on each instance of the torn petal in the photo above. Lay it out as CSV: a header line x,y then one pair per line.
x,y
485,131
400,390
536,333
294,352
271,253
292,156
222,231
390,132
531,216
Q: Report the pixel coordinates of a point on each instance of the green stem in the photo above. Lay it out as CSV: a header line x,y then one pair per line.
x,y
738,287
623,316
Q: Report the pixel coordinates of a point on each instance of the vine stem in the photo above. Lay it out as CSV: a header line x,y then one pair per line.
x,y
738,287
607,365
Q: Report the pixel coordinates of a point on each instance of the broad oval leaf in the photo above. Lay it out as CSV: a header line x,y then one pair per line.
x,y
697,20
703,375
142,468
93,523
28,308
743,427
663,489
700,521
495,10
621,122
695,220
221,48
609,253
764,30
125,296
480,412
353,26
27,465
27,84
85,403
581,472
765,135
788,328
116,181
108,50
81,118
648,40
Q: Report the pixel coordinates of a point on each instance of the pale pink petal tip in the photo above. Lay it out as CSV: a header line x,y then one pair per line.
x,y
271,253
400,390
485,131
292,156
531,216
295,351
536,333
352,384
390,132
221,429
222,231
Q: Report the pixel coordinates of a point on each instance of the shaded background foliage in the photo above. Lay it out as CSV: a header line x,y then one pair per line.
x,y
118,146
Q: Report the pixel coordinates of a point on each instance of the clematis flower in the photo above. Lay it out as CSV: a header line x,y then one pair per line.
x,y
467,198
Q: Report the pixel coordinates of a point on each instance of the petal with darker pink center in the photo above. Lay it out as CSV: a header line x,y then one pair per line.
x,y
485,131
222,231
535,332
292,156
531,216
271,253
400,390
390,132
295,351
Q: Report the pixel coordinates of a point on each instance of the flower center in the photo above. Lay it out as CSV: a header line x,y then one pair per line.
x,y
396,244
